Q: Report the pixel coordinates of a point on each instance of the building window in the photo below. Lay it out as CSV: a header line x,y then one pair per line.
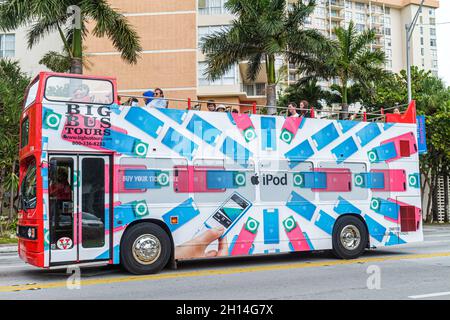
x,y
421,30
388,53
7,45
389,42
389,64
423,62
348,4
319,12
256,89
433,42
348,15
421,41
387,21
422,52
360,17
434,64
360,6
211,7
387,31
229,78
431,12
207,31
320,23
432,32
359,27
432,21
387,10
433,53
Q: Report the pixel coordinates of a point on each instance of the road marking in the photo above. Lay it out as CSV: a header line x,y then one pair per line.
x,y
430,295
224,271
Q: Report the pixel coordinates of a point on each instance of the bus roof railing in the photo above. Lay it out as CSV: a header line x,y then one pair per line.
x,y
193,104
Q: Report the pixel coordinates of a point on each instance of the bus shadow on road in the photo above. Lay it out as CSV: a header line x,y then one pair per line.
x,y
278,258
209,263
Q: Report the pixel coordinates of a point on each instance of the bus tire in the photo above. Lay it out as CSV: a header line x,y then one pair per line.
x,y
349,237
145,249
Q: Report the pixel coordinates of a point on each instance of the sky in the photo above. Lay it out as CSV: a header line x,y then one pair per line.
x,y
443,39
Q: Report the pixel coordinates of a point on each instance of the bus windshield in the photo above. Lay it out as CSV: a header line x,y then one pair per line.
x,y
65,89
28,187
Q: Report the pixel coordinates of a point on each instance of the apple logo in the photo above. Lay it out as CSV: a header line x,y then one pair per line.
x,y
254,180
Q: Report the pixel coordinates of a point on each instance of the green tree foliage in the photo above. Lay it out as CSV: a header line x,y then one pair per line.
x,y
13,83
354,61
304,89
47,16
262,31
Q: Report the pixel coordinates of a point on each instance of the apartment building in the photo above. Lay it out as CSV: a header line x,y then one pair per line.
x,y
172,30
14,46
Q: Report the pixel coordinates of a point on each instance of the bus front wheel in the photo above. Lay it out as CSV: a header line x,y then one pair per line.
x,y
145,249
349,237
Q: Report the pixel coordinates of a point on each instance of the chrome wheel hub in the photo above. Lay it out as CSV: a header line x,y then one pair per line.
x,y
146,249
350,237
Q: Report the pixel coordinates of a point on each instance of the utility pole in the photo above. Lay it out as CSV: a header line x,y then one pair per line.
x,y
409,30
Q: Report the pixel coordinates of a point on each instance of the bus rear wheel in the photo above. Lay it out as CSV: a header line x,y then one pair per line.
x,y
349,237
145,249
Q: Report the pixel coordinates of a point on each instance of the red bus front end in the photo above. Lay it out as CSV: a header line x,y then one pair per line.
x,y
30,229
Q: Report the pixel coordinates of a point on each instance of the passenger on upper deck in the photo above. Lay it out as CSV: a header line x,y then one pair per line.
x,y
81,94
220,108
304,109
292,110
156,99
396,111
211,105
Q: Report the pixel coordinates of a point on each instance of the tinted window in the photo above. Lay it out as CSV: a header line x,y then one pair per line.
x,y
28,187
79,90
93,202
31,95
24,132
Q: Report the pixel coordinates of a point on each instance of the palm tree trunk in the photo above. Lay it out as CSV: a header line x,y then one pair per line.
x,y
344,113
77,53
271,93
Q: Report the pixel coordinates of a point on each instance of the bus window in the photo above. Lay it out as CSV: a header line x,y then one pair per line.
x,y
28,187
64,89
24,132
93,202
31,95
61,196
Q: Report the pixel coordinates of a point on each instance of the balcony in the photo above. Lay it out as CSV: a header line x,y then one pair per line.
x,y
336,16
336,4
378,44
378,32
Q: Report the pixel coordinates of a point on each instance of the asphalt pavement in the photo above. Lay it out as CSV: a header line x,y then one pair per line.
x,y
413,271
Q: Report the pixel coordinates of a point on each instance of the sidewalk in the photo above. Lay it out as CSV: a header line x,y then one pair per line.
x,y
8,248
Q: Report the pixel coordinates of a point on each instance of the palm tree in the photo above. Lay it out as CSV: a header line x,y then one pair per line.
x,y
262,31
354,61
304,89
47,16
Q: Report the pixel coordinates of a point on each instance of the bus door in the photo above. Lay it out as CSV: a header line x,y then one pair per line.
x,y
79,187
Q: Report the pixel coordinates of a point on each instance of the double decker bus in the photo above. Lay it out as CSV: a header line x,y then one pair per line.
x,y
106,183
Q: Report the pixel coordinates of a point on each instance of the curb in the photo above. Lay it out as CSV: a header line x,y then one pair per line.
x,y
8,249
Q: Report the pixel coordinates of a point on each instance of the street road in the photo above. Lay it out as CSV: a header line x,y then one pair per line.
x,y
414,271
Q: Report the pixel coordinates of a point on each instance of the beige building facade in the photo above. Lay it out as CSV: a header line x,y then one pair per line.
x,y
171,31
